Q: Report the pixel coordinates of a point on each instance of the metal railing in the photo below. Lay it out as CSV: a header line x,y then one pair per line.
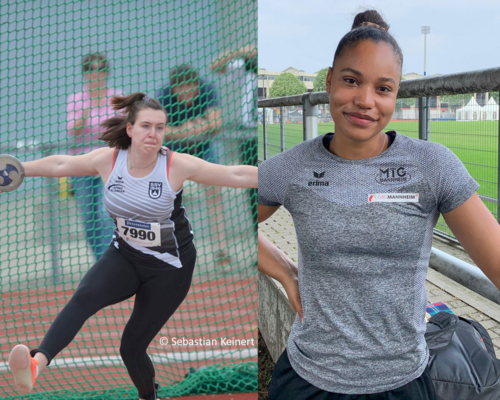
x,y
467,83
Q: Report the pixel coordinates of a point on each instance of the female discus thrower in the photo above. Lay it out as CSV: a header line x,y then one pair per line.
x,y
151,256
364,204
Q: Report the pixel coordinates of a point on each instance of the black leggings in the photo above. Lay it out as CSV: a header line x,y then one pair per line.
x,y
115,278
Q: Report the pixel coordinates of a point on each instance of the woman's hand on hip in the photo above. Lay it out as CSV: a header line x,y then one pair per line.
x,y
291,286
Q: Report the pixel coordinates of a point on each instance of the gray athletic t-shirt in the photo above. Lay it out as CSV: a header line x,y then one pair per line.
x,y
364,231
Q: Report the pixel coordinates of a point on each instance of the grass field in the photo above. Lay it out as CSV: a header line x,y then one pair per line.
x,y
474,142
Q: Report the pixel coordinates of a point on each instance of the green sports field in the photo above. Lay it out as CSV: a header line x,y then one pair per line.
x,y
474,142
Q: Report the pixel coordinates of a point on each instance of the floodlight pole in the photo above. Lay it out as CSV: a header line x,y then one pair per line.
x,y
425,30
425,54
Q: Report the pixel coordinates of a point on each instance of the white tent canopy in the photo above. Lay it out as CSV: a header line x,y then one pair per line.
x,y
471,112
490,110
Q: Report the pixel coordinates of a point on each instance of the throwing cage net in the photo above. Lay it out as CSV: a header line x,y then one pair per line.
x,y
54,53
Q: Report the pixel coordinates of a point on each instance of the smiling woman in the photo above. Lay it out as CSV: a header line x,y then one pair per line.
x,y
152,254
362,98
364,204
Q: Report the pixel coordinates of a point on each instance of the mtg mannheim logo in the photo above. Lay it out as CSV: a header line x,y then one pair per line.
x,y
392,176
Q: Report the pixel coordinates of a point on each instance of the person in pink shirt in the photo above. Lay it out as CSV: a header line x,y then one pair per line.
x,y
86,110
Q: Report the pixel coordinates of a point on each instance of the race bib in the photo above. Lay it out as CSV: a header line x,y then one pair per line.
x,y
146,234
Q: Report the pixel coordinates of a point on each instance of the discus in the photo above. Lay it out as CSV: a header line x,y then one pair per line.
x,y
11,173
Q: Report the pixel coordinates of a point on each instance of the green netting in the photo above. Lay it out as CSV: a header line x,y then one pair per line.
x,y
233,378
49,240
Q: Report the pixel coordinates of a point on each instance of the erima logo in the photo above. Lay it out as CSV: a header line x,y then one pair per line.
x,y
392,176
318,175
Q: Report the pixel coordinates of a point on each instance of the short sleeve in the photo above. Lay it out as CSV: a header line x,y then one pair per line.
x,y
273,180
277,172
454,185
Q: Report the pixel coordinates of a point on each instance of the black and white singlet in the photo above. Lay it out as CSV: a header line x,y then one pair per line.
x,y
151,223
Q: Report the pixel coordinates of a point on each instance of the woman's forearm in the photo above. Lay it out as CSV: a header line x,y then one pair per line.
x,y
48,166
248,176
273,262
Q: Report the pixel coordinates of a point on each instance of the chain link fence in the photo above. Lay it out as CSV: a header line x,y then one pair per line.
x,y
459,111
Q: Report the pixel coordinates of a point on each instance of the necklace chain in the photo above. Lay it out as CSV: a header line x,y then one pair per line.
x,y
383,143
131,166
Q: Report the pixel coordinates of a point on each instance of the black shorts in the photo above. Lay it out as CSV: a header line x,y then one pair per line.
x,y
286,384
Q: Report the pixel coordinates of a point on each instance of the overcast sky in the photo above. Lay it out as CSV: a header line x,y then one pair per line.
x,y
465,34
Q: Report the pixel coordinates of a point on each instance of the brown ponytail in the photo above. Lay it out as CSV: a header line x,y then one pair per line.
x,y
115,133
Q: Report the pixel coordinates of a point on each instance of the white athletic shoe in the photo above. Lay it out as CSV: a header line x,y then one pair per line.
x,y
23,367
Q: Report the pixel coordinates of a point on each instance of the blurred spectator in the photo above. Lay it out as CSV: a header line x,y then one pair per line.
x,y
86,110
240,65
194,117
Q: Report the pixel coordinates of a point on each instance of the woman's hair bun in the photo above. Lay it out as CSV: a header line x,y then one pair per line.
x,y
368,25
369,18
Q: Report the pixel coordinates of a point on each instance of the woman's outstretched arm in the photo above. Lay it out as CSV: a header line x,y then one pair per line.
x,y
62,165
197,170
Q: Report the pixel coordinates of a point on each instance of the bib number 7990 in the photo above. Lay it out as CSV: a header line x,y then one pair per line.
x,y
140,233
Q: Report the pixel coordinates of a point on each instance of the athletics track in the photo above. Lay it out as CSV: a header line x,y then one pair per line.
x,y
223,307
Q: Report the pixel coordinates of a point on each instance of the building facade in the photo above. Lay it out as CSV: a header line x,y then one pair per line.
x,y
266,79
